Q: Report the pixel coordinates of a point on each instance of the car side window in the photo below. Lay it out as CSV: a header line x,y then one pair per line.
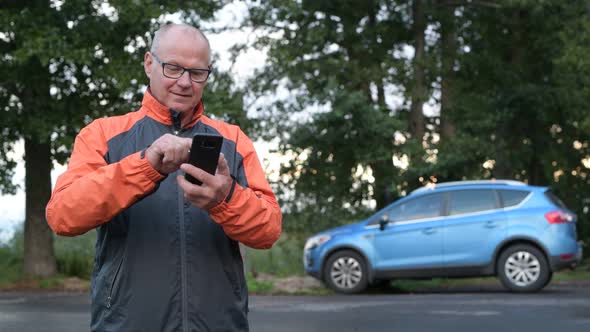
x,y
428,206
470,201
512,197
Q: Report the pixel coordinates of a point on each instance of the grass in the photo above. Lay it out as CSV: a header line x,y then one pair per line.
x,y
10,267
409,285
581,273
282,260
259,286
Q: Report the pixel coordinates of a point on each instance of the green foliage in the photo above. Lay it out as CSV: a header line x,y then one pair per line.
x,y
10,266
75,255
51,283
258,286
66,63
519,79
225,102
283,259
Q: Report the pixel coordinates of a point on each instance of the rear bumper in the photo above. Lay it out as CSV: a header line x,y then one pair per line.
x,y
569,262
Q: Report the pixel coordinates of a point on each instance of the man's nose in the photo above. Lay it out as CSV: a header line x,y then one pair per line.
x,y
184,80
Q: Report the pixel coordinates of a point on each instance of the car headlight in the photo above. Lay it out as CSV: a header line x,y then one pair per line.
x,y
316,241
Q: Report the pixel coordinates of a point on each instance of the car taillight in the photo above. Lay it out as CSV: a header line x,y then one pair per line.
x,y
567,256
558,217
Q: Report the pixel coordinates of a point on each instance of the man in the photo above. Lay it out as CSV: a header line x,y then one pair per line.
x,y
167,254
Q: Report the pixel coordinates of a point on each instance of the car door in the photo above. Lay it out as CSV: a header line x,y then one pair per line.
x,y
474,227
412,238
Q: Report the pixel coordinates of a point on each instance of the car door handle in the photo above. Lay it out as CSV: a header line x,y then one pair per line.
x,y
491,224
429,230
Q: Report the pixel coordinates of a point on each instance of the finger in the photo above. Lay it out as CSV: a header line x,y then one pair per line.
x,y
222,166
184,152
168,157
187,188
187,143
197,173
178,153
183,183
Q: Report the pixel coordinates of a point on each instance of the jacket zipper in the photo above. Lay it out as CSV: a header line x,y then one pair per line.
x,y
113,284
177,128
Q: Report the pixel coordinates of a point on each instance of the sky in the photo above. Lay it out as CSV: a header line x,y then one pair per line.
x,y
12,207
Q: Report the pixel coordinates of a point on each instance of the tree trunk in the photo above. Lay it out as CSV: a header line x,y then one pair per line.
x,y
418,91
39,258
504,168
449,53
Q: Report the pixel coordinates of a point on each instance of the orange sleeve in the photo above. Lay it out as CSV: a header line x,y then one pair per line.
x,y
91,192
252,215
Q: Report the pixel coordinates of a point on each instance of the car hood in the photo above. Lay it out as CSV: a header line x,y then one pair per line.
x,y
342,229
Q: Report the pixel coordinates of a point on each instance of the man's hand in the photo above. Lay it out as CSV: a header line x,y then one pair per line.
x,y
214,188
168,152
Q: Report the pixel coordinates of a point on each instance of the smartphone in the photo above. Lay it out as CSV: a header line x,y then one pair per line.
x,y
204,154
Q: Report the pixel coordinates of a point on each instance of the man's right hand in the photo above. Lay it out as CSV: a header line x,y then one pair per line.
x,y
168,152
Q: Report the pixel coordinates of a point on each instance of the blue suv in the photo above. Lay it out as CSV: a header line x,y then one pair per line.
x,y
519,233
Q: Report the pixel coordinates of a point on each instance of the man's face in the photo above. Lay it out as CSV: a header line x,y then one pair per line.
x,y
184,49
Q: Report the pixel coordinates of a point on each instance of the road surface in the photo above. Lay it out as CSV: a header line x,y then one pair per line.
x,y
559,308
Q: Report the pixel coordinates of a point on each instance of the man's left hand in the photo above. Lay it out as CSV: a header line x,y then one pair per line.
x,y
214,188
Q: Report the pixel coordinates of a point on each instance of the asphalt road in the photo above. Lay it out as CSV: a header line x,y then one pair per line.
x,y
558,308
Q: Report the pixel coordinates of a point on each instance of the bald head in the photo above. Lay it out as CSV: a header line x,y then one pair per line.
x,y
175,49
188,32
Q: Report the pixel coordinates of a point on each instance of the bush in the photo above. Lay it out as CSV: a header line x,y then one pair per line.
x,y
10,266
283,259
75,255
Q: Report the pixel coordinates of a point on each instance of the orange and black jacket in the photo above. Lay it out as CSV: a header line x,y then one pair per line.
x,y
162,264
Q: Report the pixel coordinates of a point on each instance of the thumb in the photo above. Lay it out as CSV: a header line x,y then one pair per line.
x,y
222,167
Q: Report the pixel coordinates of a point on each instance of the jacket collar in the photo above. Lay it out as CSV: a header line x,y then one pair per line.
x,y
163,114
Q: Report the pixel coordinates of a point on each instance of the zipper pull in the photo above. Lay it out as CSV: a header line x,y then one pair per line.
x,y
108,302
176,121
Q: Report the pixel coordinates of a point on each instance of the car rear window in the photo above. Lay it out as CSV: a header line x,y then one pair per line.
x,y
554,199
512,197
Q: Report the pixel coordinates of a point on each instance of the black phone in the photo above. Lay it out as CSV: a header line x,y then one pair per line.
x,y
204,154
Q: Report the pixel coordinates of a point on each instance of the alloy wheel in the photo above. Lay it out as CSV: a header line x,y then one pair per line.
x,y
522,268
346,272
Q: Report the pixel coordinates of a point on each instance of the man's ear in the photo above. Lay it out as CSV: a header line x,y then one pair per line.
x,y
147,64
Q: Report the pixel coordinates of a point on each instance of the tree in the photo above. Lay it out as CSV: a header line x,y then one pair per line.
x,y
521,98
508,76
64,63
345,57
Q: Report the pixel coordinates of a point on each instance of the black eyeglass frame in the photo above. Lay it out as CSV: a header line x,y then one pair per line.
x,y
190,70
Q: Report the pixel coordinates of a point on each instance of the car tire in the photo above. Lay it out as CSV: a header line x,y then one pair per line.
x,y
523,268
346,272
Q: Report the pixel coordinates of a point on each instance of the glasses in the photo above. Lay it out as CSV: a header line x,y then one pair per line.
x,y
175,71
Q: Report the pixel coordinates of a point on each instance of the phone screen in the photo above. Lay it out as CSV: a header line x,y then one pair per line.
x,y
204,154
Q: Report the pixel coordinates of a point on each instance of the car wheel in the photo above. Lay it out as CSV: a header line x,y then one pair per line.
x,y
346,272
523,268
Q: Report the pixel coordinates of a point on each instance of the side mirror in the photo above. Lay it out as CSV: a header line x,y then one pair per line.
x,y
383,222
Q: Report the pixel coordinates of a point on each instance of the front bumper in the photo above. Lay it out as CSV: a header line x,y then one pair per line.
x,y
310,266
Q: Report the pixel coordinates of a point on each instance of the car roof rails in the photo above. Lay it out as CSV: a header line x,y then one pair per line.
x,y
433,186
